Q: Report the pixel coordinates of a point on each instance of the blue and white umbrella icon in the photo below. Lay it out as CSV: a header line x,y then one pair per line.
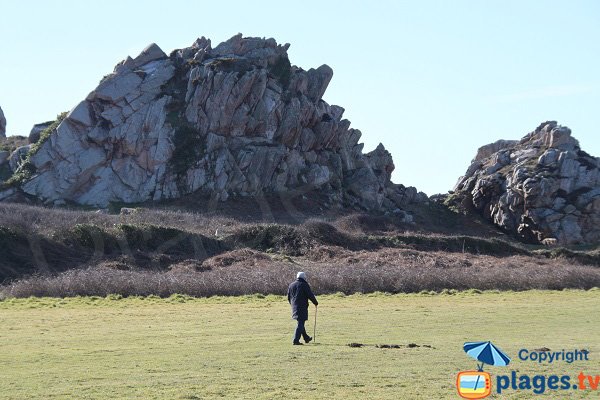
x,y
486,353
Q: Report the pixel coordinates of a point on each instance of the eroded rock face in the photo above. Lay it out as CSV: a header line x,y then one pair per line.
x,y
234,119
541,187
2,124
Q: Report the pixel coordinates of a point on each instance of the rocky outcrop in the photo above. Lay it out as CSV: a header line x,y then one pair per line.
x,y
36,131
2,124
237,119
541,187
486,151
4,156
18,157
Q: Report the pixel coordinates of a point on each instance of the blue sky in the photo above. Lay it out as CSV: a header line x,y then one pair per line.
x,y
431,80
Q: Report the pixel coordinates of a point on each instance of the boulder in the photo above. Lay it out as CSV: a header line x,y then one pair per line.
x,y
485,151
4,155
17,157
126,211
543,188
37,129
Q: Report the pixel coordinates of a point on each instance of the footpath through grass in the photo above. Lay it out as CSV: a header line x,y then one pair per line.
x,y
240,348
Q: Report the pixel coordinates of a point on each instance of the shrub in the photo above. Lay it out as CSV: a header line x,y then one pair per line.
x,y
11,143
272,237
281,69
399,273
189,148
69,252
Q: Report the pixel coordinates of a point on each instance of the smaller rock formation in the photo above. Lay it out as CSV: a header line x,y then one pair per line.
x,y
485,151
18,157
37,129
541,187
4,155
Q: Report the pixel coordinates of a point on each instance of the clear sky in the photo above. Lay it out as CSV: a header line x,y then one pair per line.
x,y
431,80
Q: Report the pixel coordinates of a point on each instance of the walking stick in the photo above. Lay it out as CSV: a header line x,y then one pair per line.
x,y
315,327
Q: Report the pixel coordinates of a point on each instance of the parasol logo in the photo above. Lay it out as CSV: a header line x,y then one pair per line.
x,y
478,384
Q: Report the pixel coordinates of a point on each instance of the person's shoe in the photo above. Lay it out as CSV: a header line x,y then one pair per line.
x,y
307,340
297,344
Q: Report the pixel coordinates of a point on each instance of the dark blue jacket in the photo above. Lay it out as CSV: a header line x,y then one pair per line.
x,y
298,295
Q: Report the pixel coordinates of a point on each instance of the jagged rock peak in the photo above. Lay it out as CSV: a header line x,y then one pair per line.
x,y
489,149
238,119
541,187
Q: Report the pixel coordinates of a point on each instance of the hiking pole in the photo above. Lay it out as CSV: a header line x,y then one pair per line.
x,y
315,327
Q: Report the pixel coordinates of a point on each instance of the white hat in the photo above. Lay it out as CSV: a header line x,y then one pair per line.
x,y
301,275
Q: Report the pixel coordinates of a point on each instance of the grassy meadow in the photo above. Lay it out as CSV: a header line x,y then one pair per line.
x,y
240,347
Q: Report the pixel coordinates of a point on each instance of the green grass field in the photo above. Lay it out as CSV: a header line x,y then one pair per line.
x,y
240,348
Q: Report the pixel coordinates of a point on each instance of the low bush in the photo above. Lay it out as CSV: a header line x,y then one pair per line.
x,y
452,244
371,272
42,250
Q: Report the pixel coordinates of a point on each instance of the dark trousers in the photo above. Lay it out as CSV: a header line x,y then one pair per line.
x,y
300,331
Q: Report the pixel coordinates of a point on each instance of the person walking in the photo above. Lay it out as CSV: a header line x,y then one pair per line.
x,y
299,293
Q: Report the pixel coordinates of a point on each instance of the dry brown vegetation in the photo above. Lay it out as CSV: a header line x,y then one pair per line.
x,y
53,252
11,143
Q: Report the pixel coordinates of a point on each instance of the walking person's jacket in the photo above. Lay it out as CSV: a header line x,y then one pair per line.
x,y
299,293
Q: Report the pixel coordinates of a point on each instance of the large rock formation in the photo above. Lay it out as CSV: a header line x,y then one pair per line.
x,y
234,119
541,187
2,124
